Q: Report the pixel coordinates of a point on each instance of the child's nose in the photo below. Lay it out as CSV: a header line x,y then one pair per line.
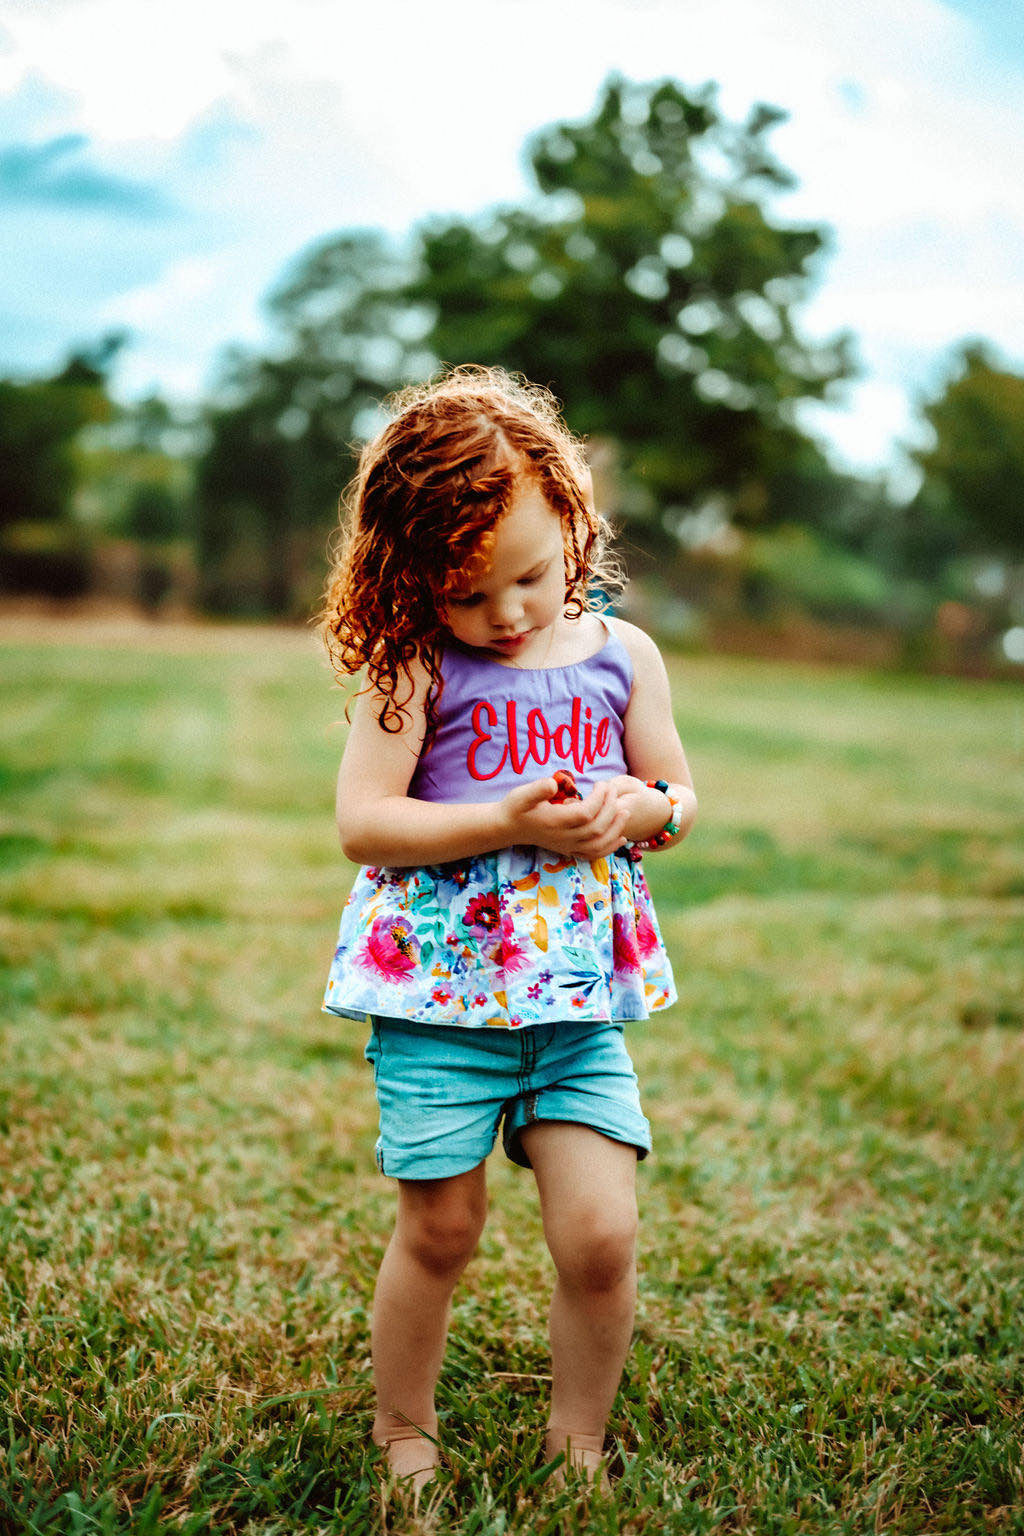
x,y
507,610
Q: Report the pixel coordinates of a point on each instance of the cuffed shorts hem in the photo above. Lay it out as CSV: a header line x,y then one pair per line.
x,y
539,1108
400,1163
445,1093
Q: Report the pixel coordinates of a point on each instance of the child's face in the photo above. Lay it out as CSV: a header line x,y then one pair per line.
x,y
512,608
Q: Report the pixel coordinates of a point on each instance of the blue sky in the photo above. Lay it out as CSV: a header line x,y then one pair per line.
x,y
161,164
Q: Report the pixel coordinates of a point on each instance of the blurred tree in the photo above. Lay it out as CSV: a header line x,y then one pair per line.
x,y
39,422
646,284
972,495
149,423
154,514
42,548
281,434
135,472
653,292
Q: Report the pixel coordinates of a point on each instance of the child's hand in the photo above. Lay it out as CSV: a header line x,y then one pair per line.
x,y
624,784
591,828
646,807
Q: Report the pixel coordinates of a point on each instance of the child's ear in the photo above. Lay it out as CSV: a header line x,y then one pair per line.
x,y
587,487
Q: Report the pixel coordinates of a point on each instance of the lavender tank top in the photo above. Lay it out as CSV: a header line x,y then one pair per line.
x,y
499,726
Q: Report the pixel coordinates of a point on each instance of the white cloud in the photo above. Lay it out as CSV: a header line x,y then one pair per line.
x,y
926,317
874,415
135,71
182,284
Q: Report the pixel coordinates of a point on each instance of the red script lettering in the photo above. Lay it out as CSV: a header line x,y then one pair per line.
x,y
577,740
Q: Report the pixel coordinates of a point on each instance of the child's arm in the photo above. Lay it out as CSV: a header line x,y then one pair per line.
x,y
379,823
651,744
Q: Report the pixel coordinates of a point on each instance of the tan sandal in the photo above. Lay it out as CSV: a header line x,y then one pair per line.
x,y
410,1470
584,1456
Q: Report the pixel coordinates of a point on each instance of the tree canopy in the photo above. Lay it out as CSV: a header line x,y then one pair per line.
x,y
281,435
974,470
39,422
645,282
651,290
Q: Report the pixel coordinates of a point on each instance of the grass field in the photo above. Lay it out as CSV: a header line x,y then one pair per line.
x,y
830,1334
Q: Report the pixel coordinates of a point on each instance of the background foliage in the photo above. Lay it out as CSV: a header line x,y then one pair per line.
x,y
650,282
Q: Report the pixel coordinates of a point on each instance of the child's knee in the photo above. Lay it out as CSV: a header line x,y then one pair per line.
x,y
600,1252
442,1233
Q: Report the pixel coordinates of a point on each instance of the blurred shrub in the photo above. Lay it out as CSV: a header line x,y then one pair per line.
x,y
795,567
154,514
53,559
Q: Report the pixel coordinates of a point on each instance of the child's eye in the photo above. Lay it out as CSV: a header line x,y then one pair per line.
x,y
464,602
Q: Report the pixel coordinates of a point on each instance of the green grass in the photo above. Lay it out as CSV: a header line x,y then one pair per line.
x,y
830,1334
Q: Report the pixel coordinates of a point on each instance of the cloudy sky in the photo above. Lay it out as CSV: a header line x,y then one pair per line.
x,y
161,163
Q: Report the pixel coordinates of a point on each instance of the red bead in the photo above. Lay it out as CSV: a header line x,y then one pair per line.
x,y
566,787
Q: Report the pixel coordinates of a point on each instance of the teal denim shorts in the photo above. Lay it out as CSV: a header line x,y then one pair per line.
x,y
443,1091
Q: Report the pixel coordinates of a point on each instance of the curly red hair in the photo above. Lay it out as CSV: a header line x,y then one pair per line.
x,y
418,520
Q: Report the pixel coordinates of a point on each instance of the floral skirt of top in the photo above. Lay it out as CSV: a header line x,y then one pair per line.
x,y
522,936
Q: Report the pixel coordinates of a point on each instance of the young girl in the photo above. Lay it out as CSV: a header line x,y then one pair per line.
x,y
498,933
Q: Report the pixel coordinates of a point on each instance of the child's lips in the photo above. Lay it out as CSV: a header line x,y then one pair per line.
x,y
513,642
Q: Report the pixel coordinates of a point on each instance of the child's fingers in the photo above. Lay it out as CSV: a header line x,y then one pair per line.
x,y
598,836
604,839
604,808
626,783
527,797
592,827
601,796
583,817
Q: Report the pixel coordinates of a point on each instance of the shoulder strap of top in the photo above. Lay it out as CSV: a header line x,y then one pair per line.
x,y
621,654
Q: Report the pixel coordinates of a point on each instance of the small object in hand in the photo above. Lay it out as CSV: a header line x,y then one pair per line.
x,y
566,787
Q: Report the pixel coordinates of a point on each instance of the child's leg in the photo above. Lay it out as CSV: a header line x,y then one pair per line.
x,y
587,1185
438,1227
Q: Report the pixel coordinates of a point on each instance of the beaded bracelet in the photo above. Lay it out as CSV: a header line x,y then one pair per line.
x,y
668,831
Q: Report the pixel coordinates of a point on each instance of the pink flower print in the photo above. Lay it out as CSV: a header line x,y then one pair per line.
x,y
390,951
482,912
515,1020
509,954
576,1000
441,995
579,912
625,956
534,991
646,937
480,1000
